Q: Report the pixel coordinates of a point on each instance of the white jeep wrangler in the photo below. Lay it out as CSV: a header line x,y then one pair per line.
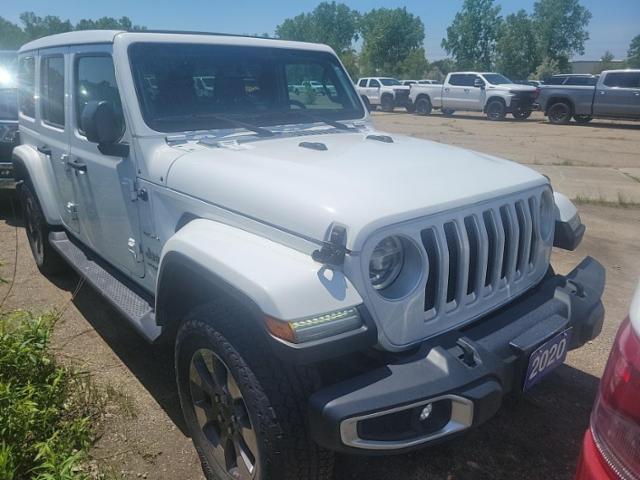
x,y
386,93
327,287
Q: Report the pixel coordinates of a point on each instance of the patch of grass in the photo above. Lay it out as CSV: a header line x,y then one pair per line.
x,y
622,201
46,409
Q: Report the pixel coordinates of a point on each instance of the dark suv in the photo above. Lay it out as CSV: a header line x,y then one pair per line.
x,y
8,115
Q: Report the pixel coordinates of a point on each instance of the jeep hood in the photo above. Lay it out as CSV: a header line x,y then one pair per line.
x,y
361,183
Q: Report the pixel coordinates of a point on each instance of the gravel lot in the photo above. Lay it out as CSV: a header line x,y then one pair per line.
x,y
533,437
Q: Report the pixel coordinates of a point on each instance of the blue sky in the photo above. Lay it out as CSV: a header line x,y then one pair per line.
x,y
614,22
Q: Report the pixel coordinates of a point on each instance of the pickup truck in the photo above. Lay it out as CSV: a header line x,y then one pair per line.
x,y
388,93
491,93
615,95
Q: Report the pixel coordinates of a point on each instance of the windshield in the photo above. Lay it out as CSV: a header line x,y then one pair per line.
x,y
389,82
496,79
185,87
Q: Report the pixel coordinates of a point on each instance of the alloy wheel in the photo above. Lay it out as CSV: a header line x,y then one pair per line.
x,y
34,230
222,415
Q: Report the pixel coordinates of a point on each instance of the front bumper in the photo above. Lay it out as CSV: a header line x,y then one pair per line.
x,y
464,374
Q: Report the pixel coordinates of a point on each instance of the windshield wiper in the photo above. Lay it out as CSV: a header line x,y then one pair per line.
x,y
316,118
263,132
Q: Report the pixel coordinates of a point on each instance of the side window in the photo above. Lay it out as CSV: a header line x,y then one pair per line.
x,y
95,80
470,80
27,86
579,81
362,83
555,81
52,88
374,83
622,80
457,80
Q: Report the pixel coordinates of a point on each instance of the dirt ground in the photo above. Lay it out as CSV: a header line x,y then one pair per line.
x,y
533,437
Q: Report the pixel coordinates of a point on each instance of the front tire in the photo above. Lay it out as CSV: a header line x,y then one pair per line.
x,y
521,114
231,386
559,113
496,110
48,261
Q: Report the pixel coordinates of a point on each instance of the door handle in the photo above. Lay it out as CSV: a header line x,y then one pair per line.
x,y
78,166
45,150
466,90
637,94
446,89
601,92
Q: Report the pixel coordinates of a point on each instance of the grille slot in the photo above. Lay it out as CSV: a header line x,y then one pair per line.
x,y
473,257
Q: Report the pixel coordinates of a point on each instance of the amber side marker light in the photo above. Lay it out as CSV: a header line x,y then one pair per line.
x,y
314,327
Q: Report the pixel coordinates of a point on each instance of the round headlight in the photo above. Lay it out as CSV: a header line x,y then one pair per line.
x,y
547,214
386,262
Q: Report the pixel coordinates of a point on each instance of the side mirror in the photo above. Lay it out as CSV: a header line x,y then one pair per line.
x,y
103,126
100,123
478,83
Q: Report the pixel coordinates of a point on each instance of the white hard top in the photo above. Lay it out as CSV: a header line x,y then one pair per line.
x,y
83,37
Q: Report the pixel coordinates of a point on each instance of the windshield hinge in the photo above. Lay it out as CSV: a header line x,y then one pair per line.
x,y
333,251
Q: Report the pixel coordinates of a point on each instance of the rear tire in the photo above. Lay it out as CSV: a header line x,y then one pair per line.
x,y
48,261
496,110
559,113
258,396
386,103
423,106
582,119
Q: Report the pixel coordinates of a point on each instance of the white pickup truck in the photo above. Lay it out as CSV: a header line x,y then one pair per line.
x,y
388,93
491,93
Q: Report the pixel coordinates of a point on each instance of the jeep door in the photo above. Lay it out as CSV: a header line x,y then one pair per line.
x,y
105,182
618,95
45,123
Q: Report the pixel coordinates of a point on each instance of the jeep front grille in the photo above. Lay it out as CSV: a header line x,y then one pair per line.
x,y
472,256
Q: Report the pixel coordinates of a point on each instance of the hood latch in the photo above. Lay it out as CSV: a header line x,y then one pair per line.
x,y
333,251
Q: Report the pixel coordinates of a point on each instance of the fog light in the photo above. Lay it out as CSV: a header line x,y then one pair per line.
x,y
426,412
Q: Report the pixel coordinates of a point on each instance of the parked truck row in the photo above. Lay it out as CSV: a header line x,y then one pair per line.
x,y
612,94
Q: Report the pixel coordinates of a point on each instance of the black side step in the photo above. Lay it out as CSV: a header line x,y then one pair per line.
x,y
112,285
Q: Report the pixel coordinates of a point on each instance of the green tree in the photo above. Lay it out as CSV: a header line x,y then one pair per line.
x,y
36,27
472,36
607,63
414,65
516,48
108,23
633,54
350,61
444,66
389,38
332,23
548,67
561,29
11,35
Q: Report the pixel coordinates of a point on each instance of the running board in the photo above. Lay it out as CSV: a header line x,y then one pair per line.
x,y
112,285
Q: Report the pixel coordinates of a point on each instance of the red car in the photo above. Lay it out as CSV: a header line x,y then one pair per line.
x,y
611,446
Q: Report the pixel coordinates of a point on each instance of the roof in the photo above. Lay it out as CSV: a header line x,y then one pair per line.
x,y
72,38
83,37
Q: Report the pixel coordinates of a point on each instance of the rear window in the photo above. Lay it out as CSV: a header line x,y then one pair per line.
x,y
623,80
580,81
52,98
555,81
